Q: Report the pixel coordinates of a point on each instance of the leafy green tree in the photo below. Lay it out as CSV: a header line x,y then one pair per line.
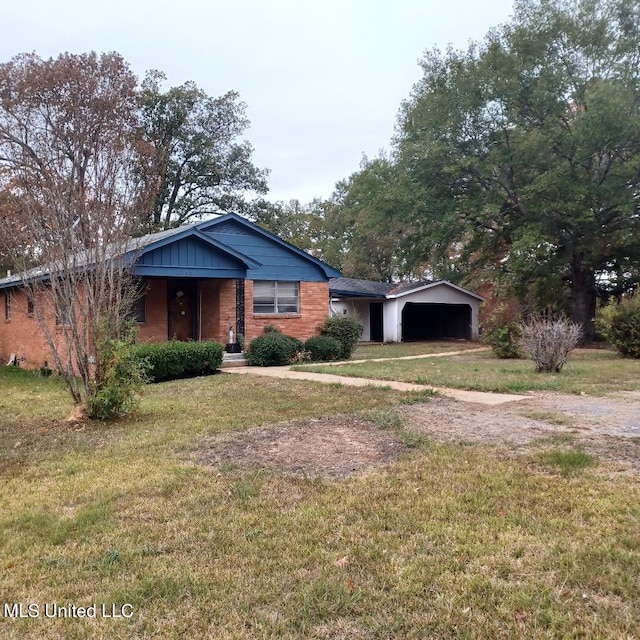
x,y
300,224
196,162
524,152
366,233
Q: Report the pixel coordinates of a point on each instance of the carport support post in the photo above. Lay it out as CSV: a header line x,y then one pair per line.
x,y
392,321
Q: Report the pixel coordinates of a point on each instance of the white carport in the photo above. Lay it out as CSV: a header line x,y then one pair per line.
x,y
396,312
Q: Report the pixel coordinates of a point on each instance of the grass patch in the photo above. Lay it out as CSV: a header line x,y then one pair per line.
x,y
450,542
403,349
551,417
420,397
41,526
388,419
32,394
568,462
591,371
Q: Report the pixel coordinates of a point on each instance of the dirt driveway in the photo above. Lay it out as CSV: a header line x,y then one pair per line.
x,y
343,445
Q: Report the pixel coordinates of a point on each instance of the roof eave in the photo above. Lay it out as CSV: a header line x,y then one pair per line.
x,y
435,284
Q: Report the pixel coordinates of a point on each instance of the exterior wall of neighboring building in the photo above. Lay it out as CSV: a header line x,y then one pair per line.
x,y
392,326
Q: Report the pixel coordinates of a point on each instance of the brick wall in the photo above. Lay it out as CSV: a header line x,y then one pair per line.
x,y
155,328
314,310
22,334
227,305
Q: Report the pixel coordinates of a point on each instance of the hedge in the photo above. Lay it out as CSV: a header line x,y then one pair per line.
x,y
323,348
174,359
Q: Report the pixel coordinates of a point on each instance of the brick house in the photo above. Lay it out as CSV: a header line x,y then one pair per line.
x,y
200,281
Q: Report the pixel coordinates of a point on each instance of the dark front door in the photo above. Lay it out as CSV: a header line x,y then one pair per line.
x,y
376,323
181,306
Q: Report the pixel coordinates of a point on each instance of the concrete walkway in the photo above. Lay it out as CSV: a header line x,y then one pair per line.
x,y
422,355
478,397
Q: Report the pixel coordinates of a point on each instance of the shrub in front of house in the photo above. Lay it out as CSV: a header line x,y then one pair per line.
x,y
174,359
346,330
619,324
119,376
502,332
273,349
323,348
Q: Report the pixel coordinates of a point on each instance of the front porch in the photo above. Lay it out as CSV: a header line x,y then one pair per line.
x,y
191,309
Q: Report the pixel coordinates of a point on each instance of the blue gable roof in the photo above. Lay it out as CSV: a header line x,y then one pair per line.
x,y
278,260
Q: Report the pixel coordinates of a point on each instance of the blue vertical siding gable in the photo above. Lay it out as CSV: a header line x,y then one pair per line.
x,y
188,252
278,259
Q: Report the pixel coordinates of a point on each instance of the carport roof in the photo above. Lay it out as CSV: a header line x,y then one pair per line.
x,y
352,287
355,288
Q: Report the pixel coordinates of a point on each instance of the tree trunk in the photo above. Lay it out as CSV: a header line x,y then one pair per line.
x,y
583,296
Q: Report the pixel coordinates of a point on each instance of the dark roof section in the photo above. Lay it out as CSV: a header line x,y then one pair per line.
x,y
403,287
354,288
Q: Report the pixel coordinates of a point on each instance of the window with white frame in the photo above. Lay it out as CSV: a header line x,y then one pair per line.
x,y
7,305
276,296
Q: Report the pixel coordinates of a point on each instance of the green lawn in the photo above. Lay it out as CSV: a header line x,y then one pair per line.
x,y
591,371
448,542
401,349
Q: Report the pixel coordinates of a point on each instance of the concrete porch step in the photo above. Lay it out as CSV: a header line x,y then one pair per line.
x,y
234,360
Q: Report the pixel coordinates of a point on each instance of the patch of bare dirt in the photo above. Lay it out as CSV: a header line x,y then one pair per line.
x,y
331,448
444,419
344,445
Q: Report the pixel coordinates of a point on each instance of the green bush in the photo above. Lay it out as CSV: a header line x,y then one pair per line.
x,y
323,348
619,324
505,340
502,332
346,330
273,349
119,376
174,359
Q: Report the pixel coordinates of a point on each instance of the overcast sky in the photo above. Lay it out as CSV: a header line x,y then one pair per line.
x,y
322,80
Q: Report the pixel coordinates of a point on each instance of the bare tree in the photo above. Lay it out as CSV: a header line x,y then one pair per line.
x,y
68,147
